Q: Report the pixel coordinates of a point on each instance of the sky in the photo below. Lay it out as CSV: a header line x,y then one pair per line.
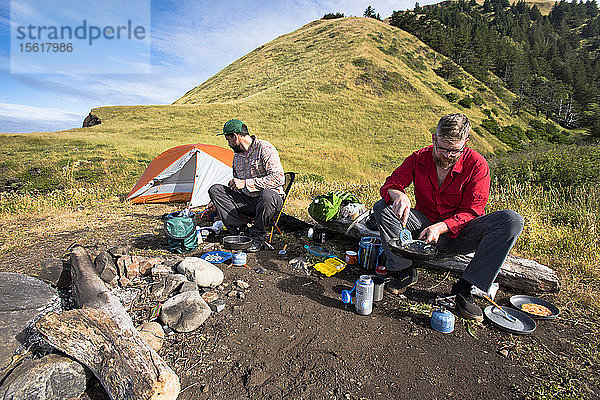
x,y
163,49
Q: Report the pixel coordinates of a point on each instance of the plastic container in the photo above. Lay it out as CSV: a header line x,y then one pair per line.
x,y
199,234
351,257
330,266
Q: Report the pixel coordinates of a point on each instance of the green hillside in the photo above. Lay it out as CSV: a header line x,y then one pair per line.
x,y
346,98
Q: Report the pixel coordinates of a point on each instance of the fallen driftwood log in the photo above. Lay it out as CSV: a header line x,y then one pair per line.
x,y
102,336
516,273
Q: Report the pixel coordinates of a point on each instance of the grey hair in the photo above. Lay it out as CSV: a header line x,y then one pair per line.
x,y
453,128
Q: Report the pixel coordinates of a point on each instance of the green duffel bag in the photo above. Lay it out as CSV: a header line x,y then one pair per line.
x,y
326,207
180,232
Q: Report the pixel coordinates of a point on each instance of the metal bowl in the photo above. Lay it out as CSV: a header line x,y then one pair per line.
x,y
237,242
413,250
518,300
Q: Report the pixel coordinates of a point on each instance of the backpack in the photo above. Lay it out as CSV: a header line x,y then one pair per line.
x,y
180,232
327,206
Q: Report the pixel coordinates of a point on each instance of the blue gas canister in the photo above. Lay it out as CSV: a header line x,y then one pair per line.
x,y
442,321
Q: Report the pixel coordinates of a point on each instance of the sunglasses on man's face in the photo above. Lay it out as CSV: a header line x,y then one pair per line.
x,y
229,135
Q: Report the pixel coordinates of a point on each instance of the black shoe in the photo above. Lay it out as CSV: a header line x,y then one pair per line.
x,y
257,245
402,280
465,303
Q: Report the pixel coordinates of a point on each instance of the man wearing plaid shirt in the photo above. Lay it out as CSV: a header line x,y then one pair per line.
x,y
256,189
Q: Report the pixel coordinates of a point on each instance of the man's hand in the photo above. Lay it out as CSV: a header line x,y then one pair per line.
x,y
400,205
236,183
210,207
432,233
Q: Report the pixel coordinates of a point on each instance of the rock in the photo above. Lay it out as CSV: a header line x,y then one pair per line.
x,y
188,287
172,262
120,250
159,271
146,265
106,268
210,296
123,263
50,377
132,270
217,305
152,333
503,352
22,299
241,295
185,312
124,281
241,284
202,272
91,120
167,285
56,272
233,293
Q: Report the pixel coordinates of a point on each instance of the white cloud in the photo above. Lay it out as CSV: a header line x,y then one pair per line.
x,y
32,113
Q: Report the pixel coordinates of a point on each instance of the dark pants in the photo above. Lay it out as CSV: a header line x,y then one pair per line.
x,y
234,208
490,236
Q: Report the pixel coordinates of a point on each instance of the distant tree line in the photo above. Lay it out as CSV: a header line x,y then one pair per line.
x,y
333,16
550,62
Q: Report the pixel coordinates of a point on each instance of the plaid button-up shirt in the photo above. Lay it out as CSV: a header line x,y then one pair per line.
x,y
260,168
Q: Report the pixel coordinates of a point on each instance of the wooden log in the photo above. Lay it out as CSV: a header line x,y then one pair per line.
x,y
102,336
516,273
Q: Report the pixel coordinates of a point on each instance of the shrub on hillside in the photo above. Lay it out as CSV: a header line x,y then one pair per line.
x,y
457,83
477,99
451,97
491,125
466,102
547,132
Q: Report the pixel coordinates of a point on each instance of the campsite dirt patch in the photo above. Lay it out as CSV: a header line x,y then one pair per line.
x,y
292,337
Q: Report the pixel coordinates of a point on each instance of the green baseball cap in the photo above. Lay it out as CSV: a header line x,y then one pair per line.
x,y
232,126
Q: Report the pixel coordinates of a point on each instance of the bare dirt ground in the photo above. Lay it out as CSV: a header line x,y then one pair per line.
x,y
293,338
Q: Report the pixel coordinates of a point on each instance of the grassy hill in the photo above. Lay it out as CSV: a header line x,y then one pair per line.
x,y
344,98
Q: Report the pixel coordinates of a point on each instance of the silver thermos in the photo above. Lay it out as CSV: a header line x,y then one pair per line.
x,y
364,295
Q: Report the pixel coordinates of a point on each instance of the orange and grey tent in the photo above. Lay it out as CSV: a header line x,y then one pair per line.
x,y
183,173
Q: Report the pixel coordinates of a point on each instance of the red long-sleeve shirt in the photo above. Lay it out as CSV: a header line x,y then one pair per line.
x,y
461,197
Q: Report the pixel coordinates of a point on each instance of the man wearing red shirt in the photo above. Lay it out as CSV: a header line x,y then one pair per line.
x,y
452,184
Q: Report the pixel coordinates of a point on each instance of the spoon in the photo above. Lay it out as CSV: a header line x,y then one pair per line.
x,y
506,315
405,235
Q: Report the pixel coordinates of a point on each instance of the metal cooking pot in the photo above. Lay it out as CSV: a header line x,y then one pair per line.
x,y
237,242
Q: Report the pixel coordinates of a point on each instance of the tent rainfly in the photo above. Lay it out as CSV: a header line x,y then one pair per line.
x,y
184,173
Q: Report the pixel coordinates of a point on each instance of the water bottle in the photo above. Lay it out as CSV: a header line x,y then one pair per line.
x,y
364,295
